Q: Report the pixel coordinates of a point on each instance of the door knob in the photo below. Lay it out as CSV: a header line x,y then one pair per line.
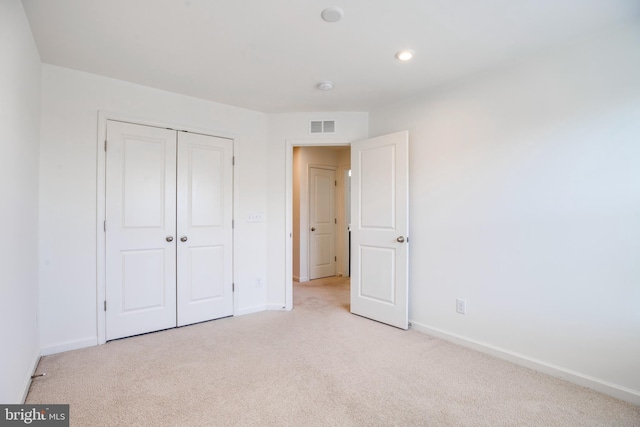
x,y
183,239
169,238
400,239
313,229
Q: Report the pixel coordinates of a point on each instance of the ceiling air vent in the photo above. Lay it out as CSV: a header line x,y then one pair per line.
x,y
326,126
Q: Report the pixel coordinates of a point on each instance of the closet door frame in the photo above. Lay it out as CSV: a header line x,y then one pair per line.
x,y
103,117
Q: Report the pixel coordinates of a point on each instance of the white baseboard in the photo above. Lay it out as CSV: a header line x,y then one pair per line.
x,y
614,390
250,310
69,345
276,307
27,382
303,279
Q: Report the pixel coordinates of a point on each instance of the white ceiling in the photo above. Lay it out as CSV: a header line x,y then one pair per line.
x,y
268,55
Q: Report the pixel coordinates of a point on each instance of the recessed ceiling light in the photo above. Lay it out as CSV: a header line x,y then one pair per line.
x,y
405,55
332,14
326,85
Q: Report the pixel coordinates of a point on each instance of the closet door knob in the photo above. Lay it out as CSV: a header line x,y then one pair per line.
x,y
400,239
169,238
183,239
313,229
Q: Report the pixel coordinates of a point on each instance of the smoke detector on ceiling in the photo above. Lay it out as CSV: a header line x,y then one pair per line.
x,y
332,14
326,85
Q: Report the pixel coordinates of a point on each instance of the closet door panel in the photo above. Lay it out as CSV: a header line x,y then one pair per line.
x,y
204,225
140,217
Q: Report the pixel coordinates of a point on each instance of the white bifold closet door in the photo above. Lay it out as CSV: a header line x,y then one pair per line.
x,y
168,229
204,199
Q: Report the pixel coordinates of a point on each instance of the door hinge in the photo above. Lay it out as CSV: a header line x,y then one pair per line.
x,y
335,183
335,258
105,305
104,225
105,145
335,220
233,287
233,223
233,160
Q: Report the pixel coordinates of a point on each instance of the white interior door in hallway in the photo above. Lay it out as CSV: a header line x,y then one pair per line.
x,y
322,223
168,228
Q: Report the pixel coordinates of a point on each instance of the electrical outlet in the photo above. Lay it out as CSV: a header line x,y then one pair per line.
x,y
461,306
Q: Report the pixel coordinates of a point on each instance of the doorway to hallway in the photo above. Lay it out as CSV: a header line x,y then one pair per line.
x,y
380,209
320,212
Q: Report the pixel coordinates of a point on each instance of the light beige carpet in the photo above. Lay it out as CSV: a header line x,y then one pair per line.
x,y
317,365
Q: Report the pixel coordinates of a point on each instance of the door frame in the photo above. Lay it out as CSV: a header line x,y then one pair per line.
x,y
289,144
101,180
346,250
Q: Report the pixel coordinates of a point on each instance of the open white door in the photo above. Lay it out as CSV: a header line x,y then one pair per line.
x,y
379,228
204,228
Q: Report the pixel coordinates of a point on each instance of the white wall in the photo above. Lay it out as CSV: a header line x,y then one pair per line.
x,y
525,201
20,124
295,127
70,104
